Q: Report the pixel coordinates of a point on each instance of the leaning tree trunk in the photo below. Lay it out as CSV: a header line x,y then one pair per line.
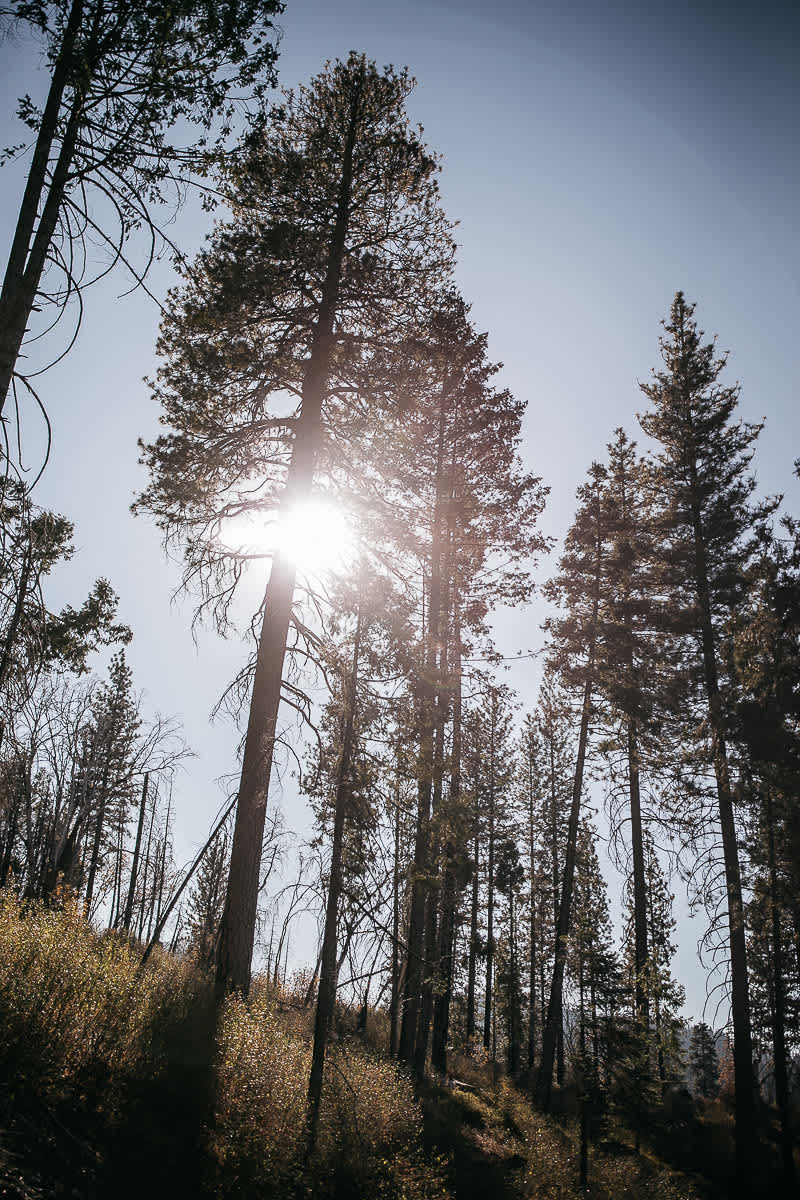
x,y
42,199
128,912
237,928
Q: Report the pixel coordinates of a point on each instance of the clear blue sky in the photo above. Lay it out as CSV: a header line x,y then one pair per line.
x,y
598,157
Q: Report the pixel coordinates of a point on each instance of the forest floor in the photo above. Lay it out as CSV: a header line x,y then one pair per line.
x,y
486,1153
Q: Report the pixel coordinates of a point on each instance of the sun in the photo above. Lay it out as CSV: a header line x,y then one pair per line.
x,y
314,535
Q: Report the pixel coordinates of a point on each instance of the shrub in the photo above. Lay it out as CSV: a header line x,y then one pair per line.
x,y
74,1012
370,1134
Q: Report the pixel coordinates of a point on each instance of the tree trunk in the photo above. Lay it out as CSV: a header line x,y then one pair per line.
x,y
394,1003
31,242
740,996
532,917
554,1009
128,914
326,995
419,929
237,928
487,1011
639,884
779,1056
554,852
473,944
449,891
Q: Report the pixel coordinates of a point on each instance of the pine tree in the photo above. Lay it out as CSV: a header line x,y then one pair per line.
x,y
577,586
703,1061
116,722
336,237
33,541
509,876
204,908
708,529
593,974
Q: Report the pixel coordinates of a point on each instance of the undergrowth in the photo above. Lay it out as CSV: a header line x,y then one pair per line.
x,y
115,1081
114,1056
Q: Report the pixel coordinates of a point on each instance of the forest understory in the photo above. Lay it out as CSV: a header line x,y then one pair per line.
x,y
110,1094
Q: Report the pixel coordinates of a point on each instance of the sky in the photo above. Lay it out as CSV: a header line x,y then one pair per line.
x,y
598,157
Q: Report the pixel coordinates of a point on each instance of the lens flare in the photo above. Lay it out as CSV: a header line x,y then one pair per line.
x,y
315,536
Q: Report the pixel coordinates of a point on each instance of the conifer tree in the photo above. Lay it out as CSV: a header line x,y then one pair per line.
x,y
703,1061
509,876
204,909
708,531
123,78
336,239
116,723
577,586
33,541
593,972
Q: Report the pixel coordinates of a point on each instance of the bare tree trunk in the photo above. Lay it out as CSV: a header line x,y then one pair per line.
x,y
128,914
143,904
163,864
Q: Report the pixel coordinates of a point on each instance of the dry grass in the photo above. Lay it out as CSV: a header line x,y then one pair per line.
x,y
116,1053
